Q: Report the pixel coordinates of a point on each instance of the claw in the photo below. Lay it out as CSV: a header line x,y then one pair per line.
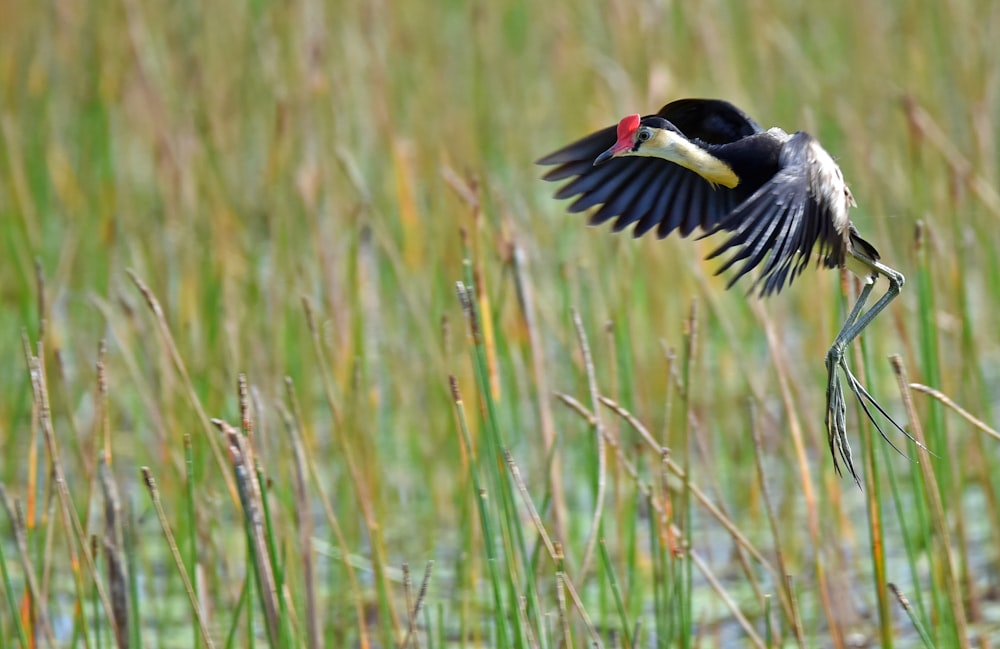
x,y
836,414
836,421
863,395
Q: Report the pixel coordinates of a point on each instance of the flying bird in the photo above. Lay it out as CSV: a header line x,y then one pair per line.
x,y
780,200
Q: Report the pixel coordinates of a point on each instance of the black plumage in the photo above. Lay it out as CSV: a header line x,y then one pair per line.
x,y
790,200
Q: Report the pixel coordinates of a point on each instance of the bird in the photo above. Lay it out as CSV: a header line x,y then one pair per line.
x,y
777,200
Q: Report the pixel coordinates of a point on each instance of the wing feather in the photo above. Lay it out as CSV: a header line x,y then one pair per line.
x,y
775,231
648,191
710,120
791,217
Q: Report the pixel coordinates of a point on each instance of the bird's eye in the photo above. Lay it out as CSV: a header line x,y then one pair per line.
x,y
643,135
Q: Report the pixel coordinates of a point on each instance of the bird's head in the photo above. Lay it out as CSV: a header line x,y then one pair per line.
x,y
653,136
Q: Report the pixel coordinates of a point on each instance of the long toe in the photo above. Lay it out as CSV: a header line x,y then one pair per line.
x,y
865,398
836,425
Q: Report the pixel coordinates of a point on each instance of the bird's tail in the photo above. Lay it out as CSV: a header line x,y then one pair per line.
x,y
860,249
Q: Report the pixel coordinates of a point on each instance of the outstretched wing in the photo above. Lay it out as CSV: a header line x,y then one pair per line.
x,y
801,210
649,192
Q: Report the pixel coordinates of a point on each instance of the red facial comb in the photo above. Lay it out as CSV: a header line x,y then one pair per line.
x,y
627,127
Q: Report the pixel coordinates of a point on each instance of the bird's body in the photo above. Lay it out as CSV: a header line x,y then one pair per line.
x,y
780,199
777,194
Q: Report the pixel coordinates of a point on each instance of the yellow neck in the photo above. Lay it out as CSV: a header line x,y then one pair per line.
x,y
677,149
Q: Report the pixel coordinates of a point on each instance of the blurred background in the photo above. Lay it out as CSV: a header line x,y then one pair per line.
x,y
301,185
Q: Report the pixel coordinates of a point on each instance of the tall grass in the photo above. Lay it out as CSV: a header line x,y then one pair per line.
x,y
592,441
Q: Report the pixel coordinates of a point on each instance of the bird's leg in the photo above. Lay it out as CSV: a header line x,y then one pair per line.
x,y
857,320
836,409
855,325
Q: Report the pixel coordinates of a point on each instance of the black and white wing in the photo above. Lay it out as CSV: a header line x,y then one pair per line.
x,y
651,192
802,210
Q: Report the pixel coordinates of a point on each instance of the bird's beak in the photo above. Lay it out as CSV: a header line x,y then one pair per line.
x,y
620,147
